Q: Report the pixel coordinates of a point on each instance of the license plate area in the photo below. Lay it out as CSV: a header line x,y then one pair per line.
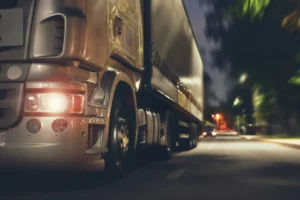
x,y
11,27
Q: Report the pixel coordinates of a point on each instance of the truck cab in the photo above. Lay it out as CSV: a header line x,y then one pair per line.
x,y
86,83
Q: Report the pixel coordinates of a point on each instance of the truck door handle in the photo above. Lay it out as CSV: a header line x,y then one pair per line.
x,y
118,25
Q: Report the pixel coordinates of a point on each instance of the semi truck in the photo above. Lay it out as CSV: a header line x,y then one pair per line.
x,y
86,85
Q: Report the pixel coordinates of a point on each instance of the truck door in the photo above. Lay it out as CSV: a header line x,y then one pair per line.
x,y
124,26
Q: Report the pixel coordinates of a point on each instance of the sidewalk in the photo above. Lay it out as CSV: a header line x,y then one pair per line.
x,y
289,142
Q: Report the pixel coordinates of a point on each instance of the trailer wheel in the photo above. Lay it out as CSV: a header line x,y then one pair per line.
x,y
196,141
186,144
165,151
120,142
193,140
170,134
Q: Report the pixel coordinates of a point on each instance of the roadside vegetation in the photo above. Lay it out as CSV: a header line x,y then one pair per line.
x,y
258,40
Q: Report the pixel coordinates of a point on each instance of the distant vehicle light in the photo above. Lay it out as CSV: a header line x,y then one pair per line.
x,y
204,133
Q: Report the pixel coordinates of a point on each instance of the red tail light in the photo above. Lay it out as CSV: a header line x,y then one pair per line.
x,y
76,105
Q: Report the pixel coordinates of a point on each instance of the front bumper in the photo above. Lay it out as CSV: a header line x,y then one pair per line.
x,y
20,149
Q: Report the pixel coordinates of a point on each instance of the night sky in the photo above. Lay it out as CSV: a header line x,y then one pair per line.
x,y
197,17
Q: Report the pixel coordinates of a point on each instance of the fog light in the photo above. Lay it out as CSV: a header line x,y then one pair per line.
x,y
60,125
34,126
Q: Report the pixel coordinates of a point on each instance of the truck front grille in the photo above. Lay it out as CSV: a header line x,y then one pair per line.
x,y
10,103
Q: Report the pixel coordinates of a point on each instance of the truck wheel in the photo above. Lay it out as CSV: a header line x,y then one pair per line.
x,y
120,142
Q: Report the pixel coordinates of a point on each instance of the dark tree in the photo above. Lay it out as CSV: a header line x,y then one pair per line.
x,y
209,95
260,38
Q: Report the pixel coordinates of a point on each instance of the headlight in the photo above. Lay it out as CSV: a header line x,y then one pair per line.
x,y
54,103
204,133
32,102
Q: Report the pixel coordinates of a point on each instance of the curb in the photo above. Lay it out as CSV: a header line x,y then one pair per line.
x,y
295,146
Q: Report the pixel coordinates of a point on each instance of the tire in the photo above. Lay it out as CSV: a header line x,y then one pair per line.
x,y
120,141
192,144
166,151
188,143
196,141
193,137
185,144
170,133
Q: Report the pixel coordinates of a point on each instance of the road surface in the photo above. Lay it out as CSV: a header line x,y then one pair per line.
x,y
225,167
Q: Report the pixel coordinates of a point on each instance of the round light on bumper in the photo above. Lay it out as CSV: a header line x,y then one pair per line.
x,y
60,125
34,125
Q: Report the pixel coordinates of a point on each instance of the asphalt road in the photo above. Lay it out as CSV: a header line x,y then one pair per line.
x,y
225,167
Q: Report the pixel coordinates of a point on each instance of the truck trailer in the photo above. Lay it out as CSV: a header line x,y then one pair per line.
x,y
85,85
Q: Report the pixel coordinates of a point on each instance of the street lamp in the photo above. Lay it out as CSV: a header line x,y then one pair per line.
x,y
237,102
218,120
243,78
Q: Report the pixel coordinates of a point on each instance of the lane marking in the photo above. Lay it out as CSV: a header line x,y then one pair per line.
x,y
246,137
176,174
212,146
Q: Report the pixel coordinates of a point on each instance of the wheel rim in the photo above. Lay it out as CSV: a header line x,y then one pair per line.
x,y
124,137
